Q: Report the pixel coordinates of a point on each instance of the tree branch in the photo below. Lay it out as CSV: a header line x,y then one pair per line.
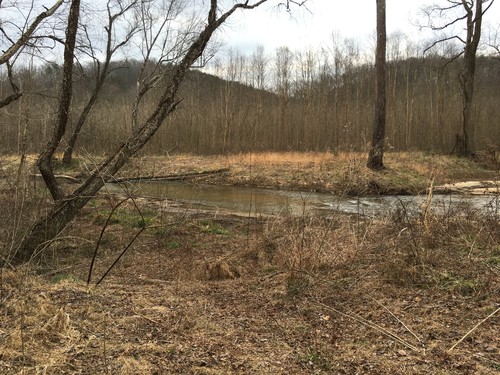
x,y
443,40
15,88
25,36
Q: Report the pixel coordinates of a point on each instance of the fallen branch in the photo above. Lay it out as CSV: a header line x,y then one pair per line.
x,y
399,320
61,176
171,177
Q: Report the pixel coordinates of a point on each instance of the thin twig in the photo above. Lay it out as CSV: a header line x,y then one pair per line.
x,y
372,325
147,318
119,256
399,320
91,267
473,329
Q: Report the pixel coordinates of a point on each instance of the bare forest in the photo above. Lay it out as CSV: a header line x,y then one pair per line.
x,y
281,101
171,205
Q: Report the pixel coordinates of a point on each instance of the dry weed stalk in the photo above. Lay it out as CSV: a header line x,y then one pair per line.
x,y
369,324
473,329
21,198
427,206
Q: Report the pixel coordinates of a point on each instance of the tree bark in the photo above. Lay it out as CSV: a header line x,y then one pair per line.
x,y
45,159
466,138
47,228
376,153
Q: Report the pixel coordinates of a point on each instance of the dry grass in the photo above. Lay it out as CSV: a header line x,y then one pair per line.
x,y
210,294
276,296
339,173
276,158
343,173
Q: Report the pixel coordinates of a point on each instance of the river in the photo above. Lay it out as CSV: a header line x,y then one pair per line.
x,y
254,202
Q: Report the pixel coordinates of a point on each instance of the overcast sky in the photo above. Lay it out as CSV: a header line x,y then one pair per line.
x,y
312,28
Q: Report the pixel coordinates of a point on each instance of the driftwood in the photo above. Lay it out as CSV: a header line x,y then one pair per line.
x,y
469,187
171,177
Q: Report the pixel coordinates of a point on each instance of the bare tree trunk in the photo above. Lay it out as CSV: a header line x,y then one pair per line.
x,y
45,159
376,154
474,12
466,138
102,73
46,229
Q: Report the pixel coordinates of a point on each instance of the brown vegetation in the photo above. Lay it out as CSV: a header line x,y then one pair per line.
x,y
341,173
202,293
327,112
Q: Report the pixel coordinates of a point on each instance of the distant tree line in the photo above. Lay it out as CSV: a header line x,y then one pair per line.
x,y
303,101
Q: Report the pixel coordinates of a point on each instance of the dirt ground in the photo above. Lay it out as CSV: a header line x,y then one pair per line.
x,y
200,293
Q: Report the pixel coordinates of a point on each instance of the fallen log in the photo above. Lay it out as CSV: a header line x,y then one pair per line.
x,y
62,177
171,177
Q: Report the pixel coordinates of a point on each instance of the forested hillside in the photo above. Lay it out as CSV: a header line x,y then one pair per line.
x,y
293,102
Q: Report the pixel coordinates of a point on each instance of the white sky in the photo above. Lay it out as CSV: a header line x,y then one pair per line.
x,y
272,27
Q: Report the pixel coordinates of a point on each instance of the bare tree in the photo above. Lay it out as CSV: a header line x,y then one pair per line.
x,y
161,44
66,207
258,63
472,14
494,43
376,153
17,35
45,159
283,86
116,10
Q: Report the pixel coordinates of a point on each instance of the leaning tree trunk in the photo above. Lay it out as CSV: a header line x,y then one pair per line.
x,y
376,153
64,211
47,228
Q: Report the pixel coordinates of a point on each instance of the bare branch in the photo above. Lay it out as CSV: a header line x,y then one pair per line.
x,y
15,88
25,36
442,40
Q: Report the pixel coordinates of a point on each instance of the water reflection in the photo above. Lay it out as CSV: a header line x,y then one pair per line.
x,y
251,201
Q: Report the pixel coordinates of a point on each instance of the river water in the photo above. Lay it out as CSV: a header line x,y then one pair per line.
x,y
254,202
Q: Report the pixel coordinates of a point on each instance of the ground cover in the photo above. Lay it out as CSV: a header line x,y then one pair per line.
x,y
345,173
200,293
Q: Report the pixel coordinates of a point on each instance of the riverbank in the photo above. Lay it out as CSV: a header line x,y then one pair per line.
x,y
341,174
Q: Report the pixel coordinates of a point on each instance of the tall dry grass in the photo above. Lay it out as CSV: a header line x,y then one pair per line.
x,y
455,248
23,197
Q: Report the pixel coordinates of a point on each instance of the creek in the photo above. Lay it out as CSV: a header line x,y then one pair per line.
x,y
255,201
